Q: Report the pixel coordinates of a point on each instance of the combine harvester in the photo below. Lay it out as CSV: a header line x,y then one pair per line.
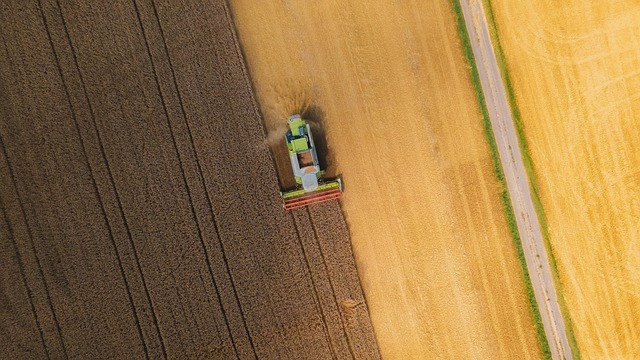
x,y
306,169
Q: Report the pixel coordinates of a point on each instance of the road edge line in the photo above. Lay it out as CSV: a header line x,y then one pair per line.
x,y
532,179
497,165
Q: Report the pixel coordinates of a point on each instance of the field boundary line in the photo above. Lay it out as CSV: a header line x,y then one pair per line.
x,y
499,173
111,179
529,167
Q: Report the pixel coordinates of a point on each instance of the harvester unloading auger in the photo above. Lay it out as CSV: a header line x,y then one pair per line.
x,y
306,169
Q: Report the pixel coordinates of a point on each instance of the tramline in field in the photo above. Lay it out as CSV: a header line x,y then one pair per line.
x,y
312,189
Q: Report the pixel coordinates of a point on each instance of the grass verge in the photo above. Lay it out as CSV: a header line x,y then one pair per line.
x,y
506,200
528,164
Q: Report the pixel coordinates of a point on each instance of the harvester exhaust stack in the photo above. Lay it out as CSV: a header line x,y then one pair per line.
x,y
312,189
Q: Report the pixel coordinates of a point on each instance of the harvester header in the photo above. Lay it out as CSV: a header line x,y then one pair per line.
x,y
311,187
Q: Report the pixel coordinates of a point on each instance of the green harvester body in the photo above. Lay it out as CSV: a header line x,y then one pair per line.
x,y
306,169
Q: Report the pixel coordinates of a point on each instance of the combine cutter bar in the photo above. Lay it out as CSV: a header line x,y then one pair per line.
x,y
312,198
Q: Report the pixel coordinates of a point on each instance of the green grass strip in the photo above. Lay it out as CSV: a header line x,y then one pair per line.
x,y
528,164
497,166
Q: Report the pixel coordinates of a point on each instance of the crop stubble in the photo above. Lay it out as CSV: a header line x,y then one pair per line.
x,y
140,201
574,69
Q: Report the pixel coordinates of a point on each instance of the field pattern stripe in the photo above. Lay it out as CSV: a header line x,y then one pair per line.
x,y
315,290
201,177
93,182
324,261
111,180
184,179
23,277
33,248
12,177
15,245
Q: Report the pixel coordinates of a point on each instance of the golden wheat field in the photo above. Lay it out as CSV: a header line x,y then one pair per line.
x,y
575,68
390,85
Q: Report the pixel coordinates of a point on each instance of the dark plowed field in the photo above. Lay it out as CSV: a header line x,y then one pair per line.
x,y
139,207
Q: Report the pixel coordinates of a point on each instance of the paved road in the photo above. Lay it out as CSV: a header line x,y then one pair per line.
x,y
507,140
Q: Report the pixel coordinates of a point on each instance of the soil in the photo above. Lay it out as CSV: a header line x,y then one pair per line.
x,y
574,67
140,214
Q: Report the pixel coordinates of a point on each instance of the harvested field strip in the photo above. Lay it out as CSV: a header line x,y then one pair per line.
x,y
506,201
141,203
528,164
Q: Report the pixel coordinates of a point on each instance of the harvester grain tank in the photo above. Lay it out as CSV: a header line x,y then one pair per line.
x,y
311,188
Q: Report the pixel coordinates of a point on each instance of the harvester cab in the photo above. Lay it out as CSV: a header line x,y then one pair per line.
x,y
311,188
